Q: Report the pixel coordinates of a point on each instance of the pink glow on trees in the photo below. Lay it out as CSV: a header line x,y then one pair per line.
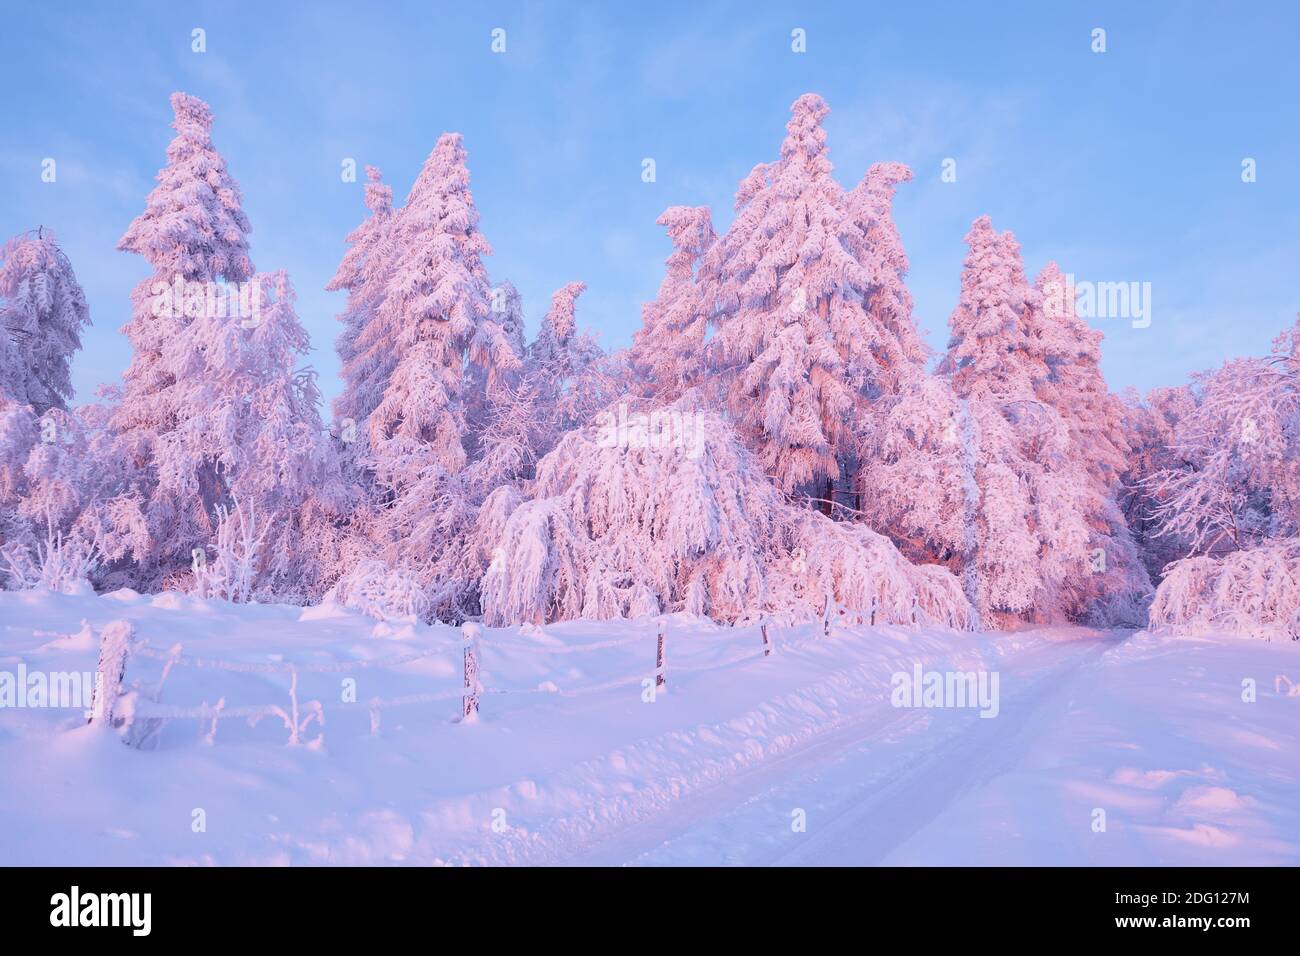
x,y
989,352
193,227
1235,482
434,300
363,347
194,232
668,350
620,528
42,312
1004,503
892,337
1117,588
789,299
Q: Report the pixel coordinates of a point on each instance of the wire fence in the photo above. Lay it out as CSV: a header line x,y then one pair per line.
x,y
139,714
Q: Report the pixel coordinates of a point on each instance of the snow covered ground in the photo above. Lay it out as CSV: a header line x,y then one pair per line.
x,y
799,758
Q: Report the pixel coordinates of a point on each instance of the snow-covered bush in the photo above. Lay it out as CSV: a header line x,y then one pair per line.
x,y
381,592
56,564
232,573
1254,593
671,513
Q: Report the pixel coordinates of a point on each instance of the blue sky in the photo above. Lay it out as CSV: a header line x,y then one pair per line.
x,y
1122,166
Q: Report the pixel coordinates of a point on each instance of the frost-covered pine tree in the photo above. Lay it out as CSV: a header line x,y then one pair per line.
x,y
364,352
989,350
249,439
668,351
974,470
1117,589
495,386
437,309
896,347
806,292
193,232
789,297
435,298
42,312
566,366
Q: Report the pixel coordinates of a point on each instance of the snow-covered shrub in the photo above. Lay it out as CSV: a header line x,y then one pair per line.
x,y
632,520
1254,593
232,574
381,592
862,571
56,564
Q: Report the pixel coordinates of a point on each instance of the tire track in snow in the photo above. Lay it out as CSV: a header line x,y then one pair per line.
x,y
866,829
908,778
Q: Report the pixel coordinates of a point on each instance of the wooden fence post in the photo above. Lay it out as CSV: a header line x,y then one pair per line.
x,y
767,640
873,610
114,648
661,679
914,610
469,702
827,611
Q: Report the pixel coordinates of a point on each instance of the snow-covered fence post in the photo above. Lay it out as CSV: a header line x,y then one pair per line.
x,y
914,610
873,610
661,677
469,703
827,610
767,640
114,648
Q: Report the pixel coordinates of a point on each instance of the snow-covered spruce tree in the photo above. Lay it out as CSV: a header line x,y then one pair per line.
x,y
1010,514
437,307
42,312
363,346
803,341
193,233
665,511
787,292
894,341
573,381
249,443
668,351
499,393
1117,590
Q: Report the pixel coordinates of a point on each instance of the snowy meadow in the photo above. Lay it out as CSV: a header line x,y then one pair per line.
x,y
779,583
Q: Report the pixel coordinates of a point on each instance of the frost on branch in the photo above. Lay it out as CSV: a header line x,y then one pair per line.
x,y
232,573
665,510
1254,593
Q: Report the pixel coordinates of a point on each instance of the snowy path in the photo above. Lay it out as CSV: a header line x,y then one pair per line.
x,y
866,787
570,764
